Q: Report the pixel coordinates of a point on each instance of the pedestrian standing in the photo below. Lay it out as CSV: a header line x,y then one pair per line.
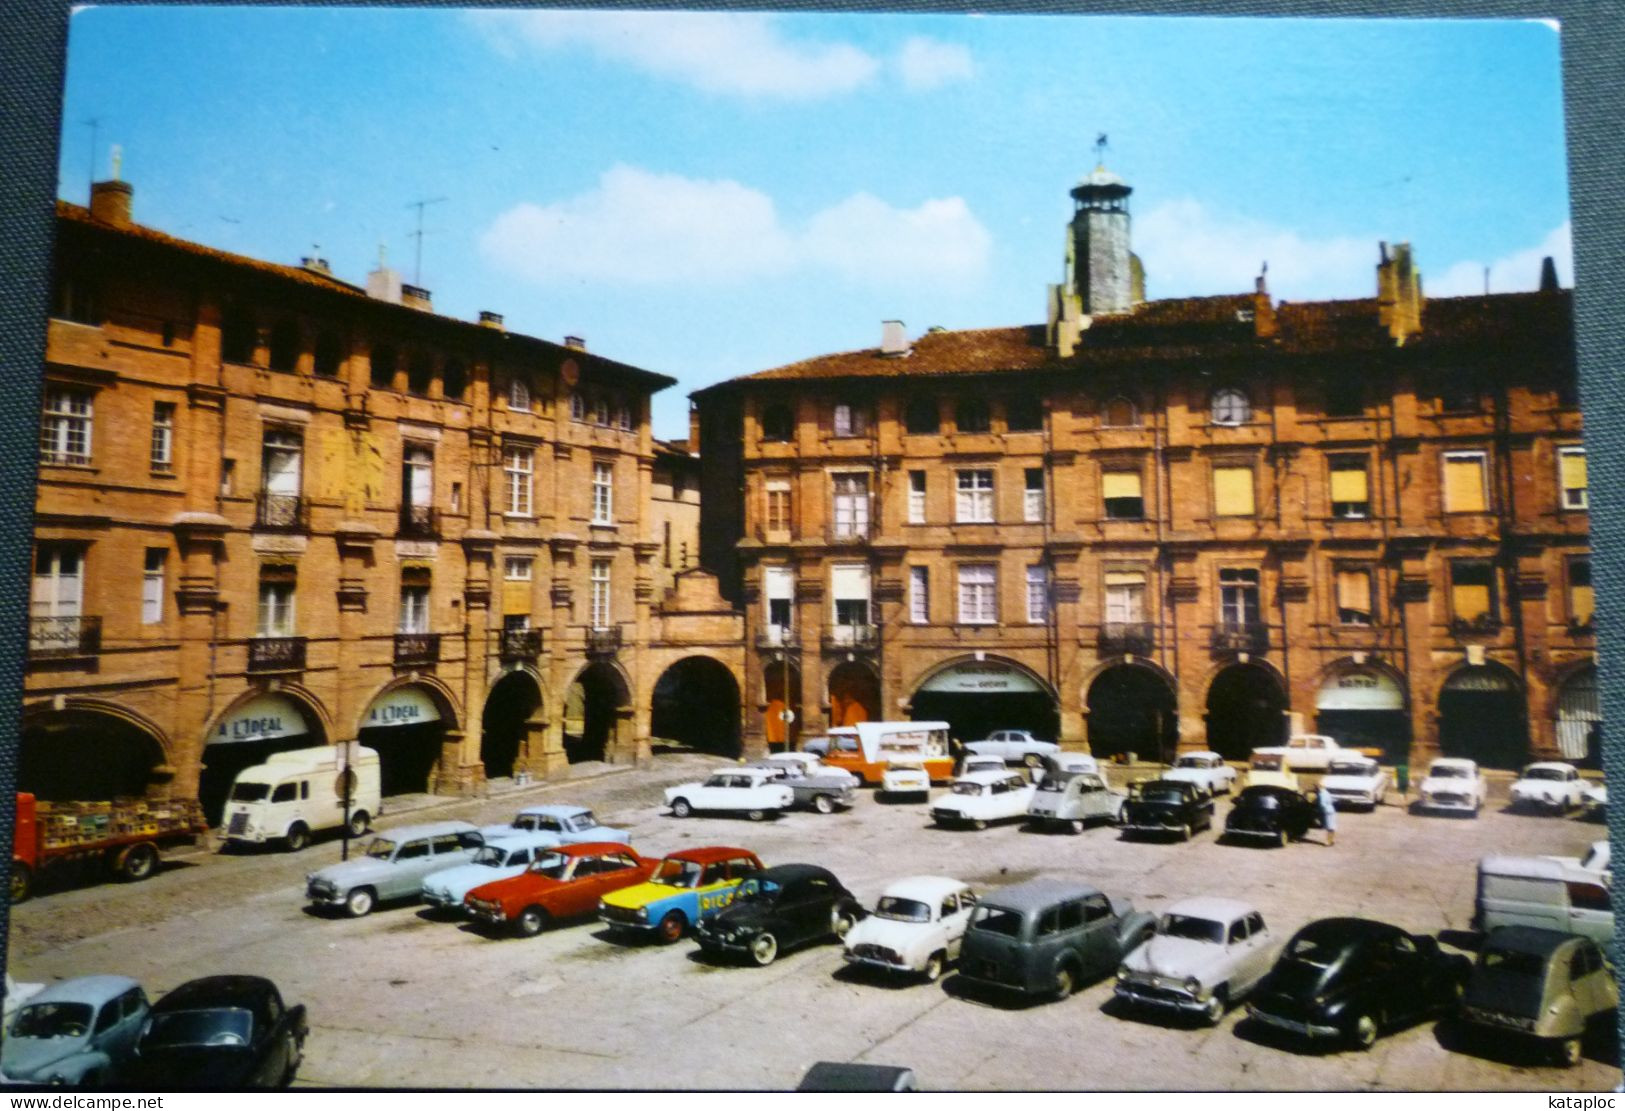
x,y
1328,816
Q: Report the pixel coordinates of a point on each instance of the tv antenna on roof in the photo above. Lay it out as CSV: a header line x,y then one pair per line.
x,y
417,265
94,123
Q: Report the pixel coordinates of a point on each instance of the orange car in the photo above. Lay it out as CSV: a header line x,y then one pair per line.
x,y
566,882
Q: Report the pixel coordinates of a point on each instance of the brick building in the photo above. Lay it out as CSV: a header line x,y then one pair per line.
x,y
348,516
1181,523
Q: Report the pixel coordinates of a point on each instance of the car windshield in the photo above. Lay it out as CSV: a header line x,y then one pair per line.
x,y
1350,768
538,821
492,855
583,821
1054,783
1267,763
250,792
1510,963
997,920
1313,951
215,1026
1188,926
1263,800
967,788
1191,762
756,888
1543,773
677,873
1156,793
1447,771
381,847
902,910
552,865
53,1020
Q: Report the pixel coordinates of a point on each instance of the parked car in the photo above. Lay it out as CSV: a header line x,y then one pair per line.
x,y
980,762
821,789
857,1076
1071,800
983,797
1207,954
749,791
777,909
566,882
1272,813
498,859
1066,762
1540,986
1595,802
869,748
572,825
1550,786
904,778
295,794
1014,746
1266,769
1049,937
1453,784
1564,894
1311,752
16,995
1353,978
1205,769
393,866
809,765
916,927
1167,806
683,888
75,1032
1356,781
221,1033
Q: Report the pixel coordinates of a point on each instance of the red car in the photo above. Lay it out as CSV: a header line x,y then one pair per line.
x,y
566,882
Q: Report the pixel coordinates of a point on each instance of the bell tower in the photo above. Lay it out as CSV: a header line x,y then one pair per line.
x,y
1102,275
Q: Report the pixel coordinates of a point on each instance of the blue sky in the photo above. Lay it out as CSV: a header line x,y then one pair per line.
x,y
712,194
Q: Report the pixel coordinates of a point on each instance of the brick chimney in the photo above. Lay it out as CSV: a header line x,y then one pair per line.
x,y
1399,293
316,265
110,202
893,338
575,343
416,297
489,319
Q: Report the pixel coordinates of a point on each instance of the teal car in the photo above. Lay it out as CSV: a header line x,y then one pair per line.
x,y
686,887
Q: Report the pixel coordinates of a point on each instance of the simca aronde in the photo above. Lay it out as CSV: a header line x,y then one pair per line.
x,y
393,866
1453,784
1550,786
754,792
1071,800
572,825
1540,986
1311,752
1356,781
1049,937
1167,806
80,1031
1352,978
1206,956
781,907
566,882
820,789
1271,814
916,927
686,887
1014,746
983,797
1206,769
220,1034
500,858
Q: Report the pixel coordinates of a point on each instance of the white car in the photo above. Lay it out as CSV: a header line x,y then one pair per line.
x,y
1596,801
501,858
1453,783
810,764
1308,752
1014,746
750,791
981,763
1549,785
903,778
1356,781
1207,769
1206,955
915,928
572,825
983,797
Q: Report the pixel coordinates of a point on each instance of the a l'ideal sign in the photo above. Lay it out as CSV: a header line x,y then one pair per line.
x,y
982,678
407,706
266,718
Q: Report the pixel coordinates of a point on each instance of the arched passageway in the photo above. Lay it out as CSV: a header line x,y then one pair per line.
x,y
1132,711
854,694
1364,707
1246,709
509,709
597,710
696,704
1579,719
975,697
246,735
407,729
1482,716
781,713
85,754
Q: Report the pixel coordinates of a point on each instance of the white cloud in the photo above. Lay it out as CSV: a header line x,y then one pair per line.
x,y
926,64
734,53
1513,273
643,228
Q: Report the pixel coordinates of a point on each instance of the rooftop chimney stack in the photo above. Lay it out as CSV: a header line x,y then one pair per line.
x,y
110,202
384,284
416,297
316,265
893,338
489,319
1548,275
575,343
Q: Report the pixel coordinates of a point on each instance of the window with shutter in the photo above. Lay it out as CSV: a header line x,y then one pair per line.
x,y
916,497
1571,462
1472,596
1122,494
152,587
1351,493
1233,492
1464,490
1032,501
919,595
1125,597
1582,602
1354,596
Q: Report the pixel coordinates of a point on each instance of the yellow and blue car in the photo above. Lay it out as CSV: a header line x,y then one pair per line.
x,y
686,887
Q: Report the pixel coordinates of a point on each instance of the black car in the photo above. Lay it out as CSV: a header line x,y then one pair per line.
x,y
220,1033
1271,813
777,909
1351,978
1167,806
843,1076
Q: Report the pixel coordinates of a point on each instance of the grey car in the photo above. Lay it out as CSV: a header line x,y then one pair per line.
x,y
1071,800
1539,986
80,1031
394,866
823,790
1049,937
1014,746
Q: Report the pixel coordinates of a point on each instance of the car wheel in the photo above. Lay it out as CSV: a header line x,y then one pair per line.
x,y
933,966
978,823
1066,982
672,927
1569,1052
841,921
359,821
756,815
1363,1031
1187,832
358,903
137,863
680,808
1213,1011
823,804
531,921
298,837
22,881
1076,825
764,947
1033,760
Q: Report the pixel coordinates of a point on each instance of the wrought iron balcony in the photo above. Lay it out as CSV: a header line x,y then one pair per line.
x,y
848,638
521,644
776,636
64,636
421,522
1484,623
604,642
281,513
1127,638
416,648
276,654
1241,636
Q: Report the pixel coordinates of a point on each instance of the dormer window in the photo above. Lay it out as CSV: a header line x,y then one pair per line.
x,y
777,424
1231,407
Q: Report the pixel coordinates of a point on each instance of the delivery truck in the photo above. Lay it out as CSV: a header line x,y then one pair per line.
x,y
121,837
296,794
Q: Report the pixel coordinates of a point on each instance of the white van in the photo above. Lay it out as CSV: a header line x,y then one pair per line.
x,y
295,794
1565,894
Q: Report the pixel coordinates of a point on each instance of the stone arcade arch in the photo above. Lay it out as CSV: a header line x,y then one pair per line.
x,y
1132,709
251,729
406,724
696,703
511,709
976,697
1364,706
1246,709
597,714
1579,718
89,750
854,694
1483,716
781,692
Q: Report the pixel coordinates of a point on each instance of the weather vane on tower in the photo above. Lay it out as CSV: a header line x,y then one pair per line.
x,y
1100,149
